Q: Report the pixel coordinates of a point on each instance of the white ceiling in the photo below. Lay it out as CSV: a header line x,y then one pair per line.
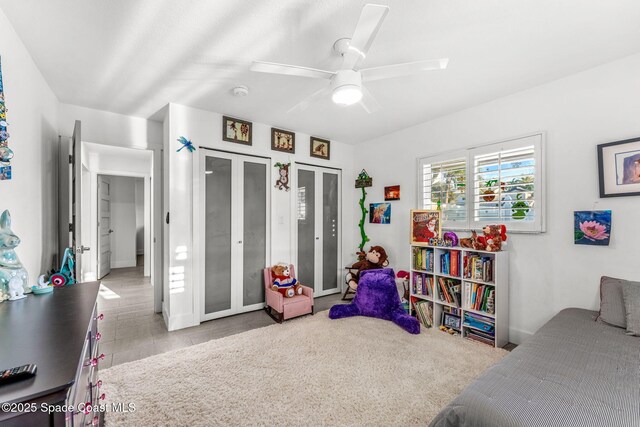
x,y
133,57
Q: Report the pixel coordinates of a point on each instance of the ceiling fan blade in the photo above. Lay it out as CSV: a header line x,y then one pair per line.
x,y
368,25
305,103
406,69
369,102
290,70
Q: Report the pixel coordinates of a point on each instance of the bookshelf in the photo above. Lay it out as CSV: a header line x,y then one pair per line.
x,y
447,283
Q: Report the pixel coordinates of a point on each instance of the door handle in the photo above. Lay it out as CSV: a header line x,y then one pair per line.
x,y
82,249
317,238
239,242
110,231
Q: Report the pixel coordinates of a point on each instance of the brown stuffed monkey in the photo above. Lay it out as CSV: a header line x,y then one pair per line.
x,y
375,258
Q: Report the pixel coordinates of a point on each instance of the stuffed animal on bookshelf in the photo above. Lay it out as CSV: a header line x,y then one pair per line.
x,y
375,258
378,297
493,237
283,282
472,242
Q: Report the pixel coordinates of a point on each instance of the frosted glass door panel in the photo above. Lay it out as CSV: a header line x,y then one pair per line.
x,y
306,227
255,232
330,267
217,292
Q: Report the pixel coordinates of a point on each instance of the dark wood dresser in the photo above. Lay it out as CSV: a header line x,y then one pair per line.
x,y
59,333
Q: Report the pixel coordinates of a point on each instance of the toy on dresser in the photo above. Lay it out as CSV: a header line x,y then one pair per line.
x,y
13,276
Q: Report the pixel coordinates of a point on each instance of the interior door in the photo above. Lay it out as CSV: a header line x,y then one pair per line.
x,y
104,226
318,228
236,207
75,178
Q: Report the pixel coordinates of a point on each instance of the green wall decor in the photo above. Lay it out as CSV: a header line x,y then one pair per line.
x,y
363,181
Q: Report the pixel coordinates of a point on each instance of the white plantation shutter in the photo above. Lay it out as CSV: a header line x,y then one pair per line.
x,y
444,180
501,183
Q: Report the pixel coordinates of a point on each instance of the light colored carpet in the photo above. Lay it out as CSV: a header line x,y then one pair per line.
x,y
308,371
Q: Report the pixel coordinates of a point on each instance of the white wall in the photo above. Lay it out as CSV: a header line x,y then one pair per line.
x,y
32,114
205,129
548,272
123,222
139,202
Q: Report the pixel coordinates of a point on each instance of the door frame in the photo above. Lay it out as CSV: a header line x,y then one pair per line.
x,y
318,226
199,240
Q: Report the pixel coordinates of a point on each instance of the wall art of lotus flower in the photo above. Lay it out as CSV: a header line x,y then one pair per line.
x,y
592,228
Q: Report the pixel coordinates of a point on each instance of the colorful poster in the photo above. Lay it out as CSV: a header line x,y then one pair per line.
x,y
592,228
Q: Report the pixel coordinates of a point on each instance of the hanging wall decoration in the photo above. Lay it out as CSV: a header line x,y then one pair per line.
x,y
363,181
236,130
320,148
380,213
282,140
283,176
6,154
392,193
185,144
619,168
592,227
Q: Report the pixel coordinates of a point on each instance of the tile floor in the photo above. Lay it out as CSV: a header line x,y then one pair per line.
x,y
132,331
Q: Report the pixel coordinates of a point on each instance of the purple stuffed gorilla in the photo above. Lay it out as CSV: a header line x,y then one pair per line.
x,y
377,296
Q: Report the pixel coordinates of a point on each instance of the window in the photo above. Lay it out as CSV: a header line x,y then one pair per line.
x,y
505,185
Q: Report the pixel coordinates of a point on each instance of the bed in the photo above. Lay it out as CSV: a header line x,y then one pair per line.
x,y
574,371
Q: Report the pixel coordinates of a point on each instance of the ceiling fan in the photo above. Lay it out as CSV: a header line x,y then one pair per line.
x,y
346,84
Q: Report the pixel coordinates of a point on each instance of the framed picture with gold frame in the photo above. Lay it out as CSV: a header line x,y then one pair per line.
x,y
425,225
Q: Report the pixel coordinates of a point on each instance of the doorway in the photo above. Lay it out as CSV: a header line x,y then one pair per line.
x,y
123,220
235,217
318,211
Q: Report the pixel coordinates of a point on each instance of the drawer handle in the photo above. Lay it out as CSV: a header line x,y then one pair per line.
x,y
94,361
94,421
99,317
102,396
97,336
87,408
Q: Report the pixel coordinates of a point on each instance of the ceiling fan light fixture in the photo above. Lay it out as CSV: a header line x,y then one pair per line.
x,y
347,95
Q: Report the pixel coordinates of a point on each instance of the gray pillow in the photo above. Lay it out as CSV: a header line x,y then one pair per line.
x,y
612,310
631,294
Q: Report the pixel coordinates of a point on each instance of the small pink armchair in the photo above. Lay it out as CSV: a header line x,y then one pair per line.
x,y
286,308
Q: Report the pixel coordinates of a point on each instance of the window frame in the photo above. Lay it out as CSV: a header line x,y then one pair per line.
x,y
537,140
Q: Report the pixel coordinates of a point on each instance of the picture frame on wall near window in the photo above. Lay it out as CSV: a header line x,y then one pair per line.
x,y
236,130
619,168
425,225
320,148
283,140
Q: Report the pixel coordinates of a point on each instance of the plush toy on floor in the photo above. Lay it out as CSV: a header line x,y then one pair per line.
x,y
283,282
375,258
377,296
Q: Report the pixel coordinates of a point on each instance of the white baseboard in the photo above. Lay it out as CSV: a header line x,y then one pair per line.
x,y
123,264
518,336
180,321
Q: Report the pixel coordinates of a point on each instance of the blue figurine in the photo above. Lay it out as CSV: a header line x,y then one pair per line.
x,y
186,144
13,276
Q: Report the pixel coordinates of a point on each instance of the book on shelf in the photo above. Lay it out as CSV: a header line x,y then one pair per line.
x,y
422,284
424,312
480,323
450,262
480,297
480,337
449,290
423,259
478,267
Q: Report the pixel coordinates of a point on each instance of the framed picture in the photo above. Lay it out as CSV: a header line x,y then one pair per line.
x,y
282,140
592,227
380,213
320,148
236,130
619,168
425,225
392,193
451,321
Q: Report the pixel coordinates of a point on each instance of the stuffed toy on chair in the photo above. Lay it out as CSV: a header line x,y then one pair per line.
x,y
283,282
377,296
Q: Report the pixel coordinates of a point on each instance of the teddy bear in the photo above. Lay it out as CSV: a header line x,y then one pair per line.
x,y
375,258
493,237
283,282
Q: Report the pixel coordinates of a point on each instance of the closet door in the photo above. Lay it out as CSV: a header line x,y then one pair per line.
x,y
318,228
236,219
